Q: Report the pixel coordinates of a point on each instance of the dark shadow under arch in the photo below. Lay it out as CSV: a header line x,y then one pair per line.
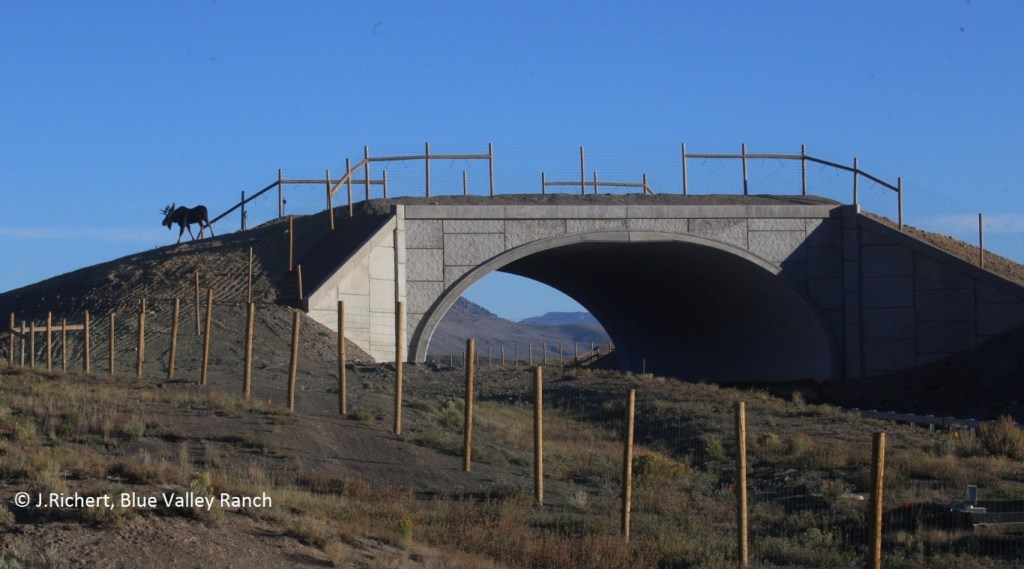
x,y
674,305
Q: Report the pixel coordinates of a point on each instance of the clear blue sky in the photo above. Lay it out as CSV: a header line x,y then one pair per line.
x,y
110,110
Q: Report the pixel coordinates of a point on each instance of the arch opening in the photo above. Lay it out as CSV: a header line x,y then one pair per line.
x,y
679,306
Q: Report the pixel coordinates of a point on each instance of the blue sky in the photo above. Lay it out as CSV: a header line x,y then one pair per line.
x,y
110,110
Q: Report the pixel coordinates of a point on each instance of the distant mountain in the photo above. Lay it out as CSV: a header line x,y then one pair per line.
x,y
559,318
466,319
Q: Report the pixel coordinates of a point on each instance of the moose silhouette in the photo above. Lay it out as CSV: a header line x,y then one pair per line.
x,y
185,217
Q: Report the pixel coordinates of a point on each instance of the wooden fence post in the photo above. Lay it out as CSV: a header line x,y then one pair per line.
x,y
293,366
249,295
291,243
86,343
298,277
627,464
538,434
174,338
741,486
467,445
64,344
399,356
141,351
23,328
874,560
49,341
206,335
111,344
330,202
32,344
342,371
10,354
250,320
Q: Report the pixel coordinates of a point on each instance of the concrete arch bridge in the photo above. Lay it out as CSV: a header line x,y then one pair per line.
x,y
747,288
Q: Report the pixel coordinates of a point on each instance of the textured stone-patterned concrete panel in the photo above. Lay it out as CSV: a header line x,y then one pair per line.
x,y
824,232
520,231
885,355
888,323
998,318
594,225
944,337
827,292
931,274
887,292
990,294
939,305
423,294
424,265
824,261
454,273
472,248
474,226
886,260
423,234
776,246
679,226
731,231
382,263
777,225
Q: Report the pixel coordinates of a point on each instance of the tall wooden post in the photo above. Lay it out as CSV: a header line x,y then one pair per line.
x,y
348,184
22,350
538,434
64,344
743,153
742,525
280,194
291,243
856,172
981,240
399,357
111,344
874,560
366,170
803,169
293,365
342,371
250,320
330,201
141,345
206,335
49,341
685,181
10,353
249,288
427,161
32,344
86,343
174,338
467,445
490,164
298,280
627,464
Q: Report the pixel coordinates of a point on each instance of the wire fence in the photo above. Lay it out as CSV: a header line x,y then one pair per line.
x,y
950,496
522,169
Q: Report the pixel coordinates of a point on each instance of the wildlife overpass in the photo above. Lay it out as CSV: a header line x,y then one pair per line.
x,y
752,288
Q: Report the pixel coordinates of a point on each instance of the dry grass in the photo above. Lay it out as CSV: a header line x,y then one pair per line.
x,y
57,432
